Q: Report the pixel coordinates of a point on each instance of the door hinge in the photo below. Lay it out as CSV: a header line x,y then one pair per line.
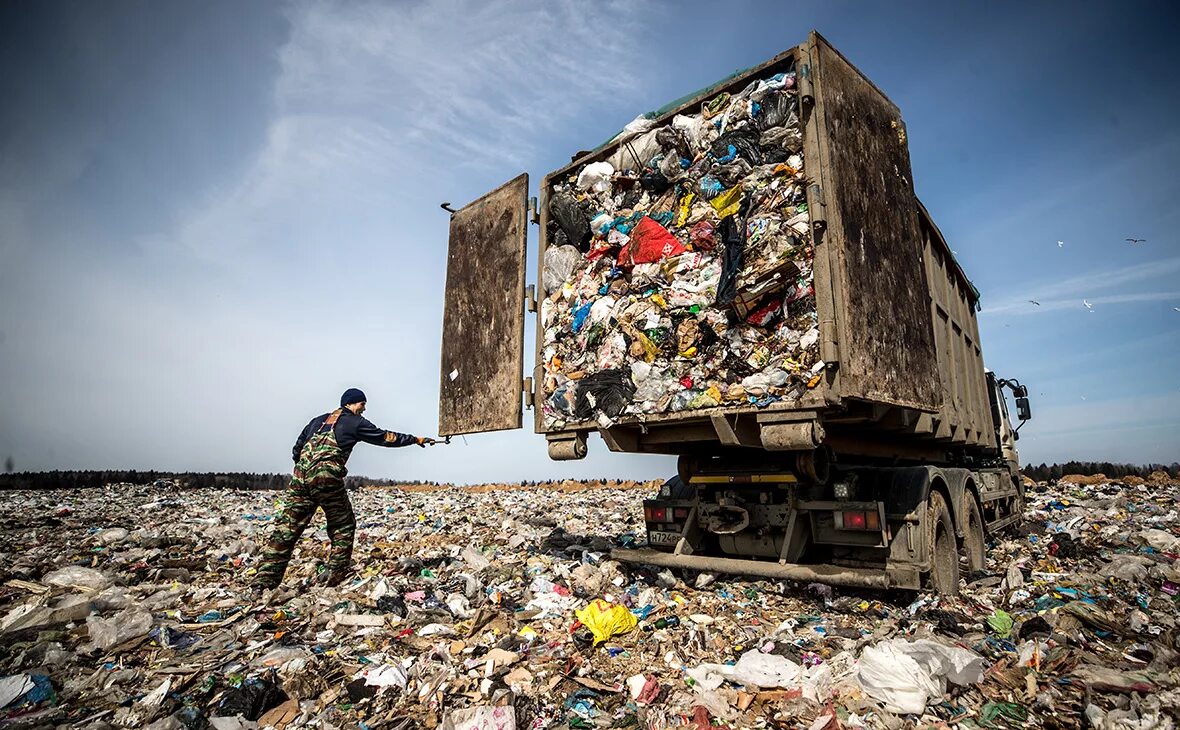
x,y
829,352
530,297
527,386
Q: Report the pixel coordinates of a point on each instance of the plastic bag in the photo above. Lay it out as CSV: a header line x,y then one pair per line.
x,y
254,697
480,718
596,177
904,675
606,619
1001,623
572,218
636,126
755,669
560,263
737,143
1160,540
75,576
650,242
752,669
124,626
608,391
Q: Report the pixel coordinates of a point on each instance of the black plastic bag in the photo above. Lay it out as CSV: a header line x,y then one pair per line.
x,y
608,391
654,181
743,140
777,109
732,233
672,139
252,699
392,604
571,216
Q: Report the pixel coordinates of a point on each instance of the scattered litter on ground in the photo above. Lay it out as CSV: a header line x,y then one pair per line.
x,y
491,607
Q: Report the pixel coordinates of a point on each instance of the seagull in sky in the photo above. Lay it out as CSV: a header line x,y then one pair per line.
x,y
1176,308
1034,301
1136,240
1089,307
1060,244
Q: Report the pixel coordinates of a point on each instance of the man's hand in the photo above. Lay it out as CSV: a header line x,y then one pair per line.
x,y
424,442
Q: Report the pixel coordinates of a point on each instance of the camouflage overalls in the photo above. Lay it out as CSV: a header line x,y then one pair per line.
x,y
318,481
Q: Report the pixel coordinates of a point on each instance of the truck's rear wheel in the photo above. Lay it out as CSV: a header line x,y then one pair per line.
x,y
974,552
944,569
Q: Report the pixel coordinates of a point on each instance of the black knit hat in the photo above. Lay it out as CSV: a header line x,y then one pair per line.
x,y
352,395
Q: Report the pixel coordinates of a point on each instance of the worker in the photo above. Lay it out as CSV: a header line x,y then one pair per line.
x,y
320,455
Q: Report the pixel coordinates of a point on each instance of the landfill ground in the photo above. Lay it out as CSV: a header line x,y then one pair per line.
x,y
130,607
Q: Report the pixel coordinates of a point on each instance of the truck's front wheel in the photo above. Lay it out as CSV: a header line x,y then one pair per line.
x,y
944,569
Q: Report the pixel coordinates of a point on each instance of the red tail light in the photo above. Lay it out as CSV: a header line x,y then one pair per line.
x,y
659,514
858,521
680,513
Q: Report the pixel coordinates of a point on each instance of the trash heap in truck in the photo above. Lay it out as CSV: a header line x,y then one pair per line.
x,y
678,270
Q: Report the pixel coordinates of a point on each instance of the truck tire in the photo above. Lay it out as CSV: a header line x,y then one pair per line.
x,y
944,553
974,550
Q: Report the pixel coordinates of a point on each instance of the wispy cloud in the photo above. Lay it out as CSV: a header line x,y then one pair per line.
x,y
1067,293
374,97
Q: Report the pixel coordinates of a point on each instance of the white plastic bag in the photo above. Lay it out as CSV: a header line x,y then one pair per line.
x,y
753,669
124,626
638,125
76,576
560,262
596,177
904,675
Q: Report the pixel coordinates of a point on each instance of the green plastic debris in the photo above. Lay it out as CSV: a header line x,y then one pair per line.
x,y
1002,711
1001,623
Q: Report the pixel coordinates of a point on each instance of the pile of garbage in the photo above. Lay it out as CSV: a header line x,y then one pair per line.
x,y
678,273
130,607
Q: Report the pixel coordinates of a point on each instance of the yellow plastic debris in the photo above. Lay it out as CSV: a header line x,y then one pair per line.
x,y
727,203
606,619
684,210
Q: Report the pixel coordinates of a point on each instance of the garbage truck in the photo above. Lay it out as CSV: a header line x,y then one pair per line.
x,y
745,279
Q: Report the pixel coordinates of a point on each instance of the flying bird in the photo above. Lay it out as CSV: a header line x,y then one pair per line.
x,y
1176,308
1136,240
1034,301
1089,307
1060,244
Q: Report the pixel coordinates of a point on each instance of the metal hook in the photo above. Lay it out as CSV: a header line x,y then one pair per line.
x,y
447,207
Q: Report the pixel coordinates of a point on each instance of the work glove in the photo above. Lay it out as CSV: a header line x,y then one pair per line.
x,y
424,441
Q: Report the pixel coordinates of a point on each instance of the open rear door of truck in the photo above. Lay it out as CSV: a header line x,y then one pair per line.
x,y
882,297
483,319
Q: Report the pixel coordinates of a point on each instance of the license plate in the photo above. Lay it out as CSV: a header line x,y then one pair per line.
x,y
663,538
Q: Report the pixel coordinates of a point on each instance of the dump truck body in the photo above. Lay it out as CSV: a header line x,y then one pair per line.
x,y
835,482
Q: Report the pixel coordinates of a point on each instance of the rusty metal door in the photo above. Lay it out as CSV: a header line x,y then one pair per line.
x,y
483,318
881,294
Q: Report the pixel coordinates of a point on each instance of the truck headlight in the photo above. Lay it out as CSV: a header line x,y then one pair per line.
x,y
843,491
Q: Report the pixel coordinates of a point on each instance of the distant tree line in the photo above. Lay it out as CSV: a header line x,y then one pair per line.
x,y
1046,473
205,480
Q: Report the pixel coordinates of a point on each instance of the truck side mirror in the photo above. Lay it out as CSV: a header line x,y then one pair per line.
x,y
1022,409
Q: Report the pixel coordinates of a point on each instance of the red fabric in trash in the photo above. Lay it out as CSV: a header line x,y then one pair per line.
x,y
650,242
650,691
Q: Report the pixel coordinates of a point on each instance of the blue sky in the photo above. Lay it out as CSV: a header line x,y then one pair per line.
x,y
215,217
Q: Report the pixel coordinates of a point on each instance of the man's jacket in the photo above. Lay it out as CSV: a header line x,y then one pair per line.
x,y
350,429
